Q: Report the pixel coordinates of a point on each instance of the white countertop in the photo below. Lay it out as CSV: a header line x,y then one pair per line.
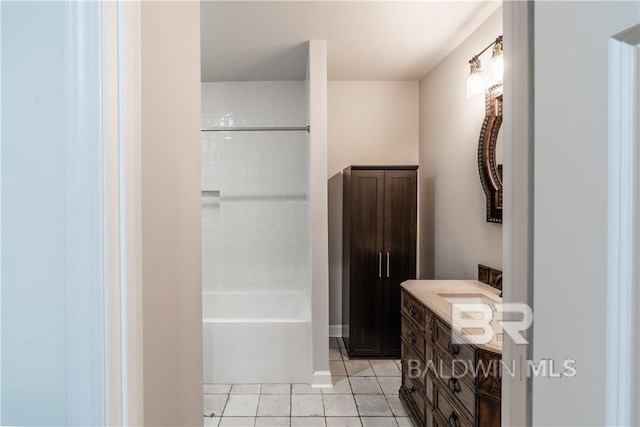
x,y
432,293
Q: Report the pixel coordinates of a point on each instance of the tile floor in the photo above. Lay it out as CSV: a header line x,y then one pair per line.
x,y
365,393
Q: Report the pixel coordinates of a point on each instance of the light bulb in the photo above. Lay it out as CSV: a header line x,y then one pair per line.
x,y
496,65
475,81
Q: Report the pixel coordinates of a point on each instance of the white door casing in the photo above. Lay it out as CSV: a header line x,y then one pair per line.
x,y
121,68
623,284
518,198
121,209
117,124
94,136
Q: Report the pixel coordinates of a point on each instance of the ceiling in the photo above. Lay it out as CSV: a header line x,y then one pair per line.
x,y
366,40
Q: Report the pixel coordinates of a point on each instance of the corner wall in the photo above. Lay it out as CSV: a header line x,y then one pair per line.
x,y
454,236
317,80
172,293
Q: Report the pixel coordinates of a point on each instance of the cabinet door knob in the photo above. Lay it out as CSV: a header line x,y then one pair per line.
x,y
453,348
412,310
454,385
379,264
453,420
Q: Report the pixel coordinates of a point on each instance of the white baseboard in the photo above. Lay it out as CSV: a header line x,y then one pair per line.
x,y
321,379
335,331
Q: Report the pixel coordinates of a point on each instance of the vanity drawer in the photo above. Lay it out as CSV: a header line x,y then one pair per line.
x,y
413,364
449,411
413,389
461,369
412,335
413,309
463,352
440,421
462,394
418,418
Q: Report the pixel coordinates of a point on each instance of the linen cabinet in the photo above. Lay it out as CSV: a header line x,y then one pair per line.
x,y
379,253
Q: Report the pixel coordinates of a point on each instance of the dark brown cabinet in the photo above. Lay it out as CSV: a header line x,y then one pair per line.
x,y
379,253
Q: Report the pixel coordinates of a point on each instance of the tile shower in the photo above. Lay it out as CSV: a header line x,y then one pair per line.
x,y
256,233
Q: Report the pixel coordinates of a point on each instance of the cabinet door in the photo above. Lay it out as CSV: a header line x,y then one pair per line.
x,y
400,227
367,202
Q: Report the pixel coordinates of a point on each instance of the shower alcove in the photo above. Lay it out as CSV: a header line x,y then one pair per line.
x,y
258,262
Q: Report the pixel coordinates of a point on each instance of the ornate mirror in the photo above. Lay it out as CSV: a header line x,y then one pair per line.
x,y
490,153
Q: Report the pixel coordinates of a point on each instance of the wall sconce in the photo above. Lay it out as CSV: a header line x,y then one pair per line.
x,y
476,82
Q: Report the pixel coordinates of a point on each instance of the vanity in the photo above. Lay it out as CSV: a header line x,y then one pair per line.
x,y
446,380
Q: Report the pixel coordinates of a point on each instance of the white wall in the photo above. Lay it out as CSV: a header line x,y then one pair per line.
x,y
369,123
570,202
261,217
172,291
454,236
33,216
317,93
51,284
372,123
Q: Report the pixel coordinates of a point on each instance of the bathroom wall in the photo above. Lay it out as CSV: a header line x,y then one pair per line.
x,y
370,122
172,290
571,131
454,236
260,217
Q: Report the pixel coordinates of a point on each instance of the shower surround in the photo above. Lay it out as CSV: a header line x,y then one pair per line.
x,y
256,233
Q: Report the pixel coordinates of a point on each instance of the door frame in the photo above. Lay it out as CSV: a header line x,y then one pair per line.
x,y
623,270
103,124
126,307
122,87
623,281
517,238
122,224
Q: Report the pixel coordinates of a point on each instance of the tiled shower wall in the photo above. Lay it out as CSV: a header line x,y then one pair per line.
x,y
255,209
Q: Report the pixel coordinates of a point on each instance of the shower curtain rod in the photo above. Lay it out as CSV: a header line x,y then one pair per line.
x,y
256,129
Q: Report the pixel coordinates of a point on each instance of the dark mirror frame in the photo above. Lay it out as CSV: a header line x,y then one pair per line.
x,y
490,172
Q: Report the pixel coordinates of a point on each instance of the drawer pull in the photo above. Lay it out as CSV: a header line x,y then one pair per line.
x,y
453,420
412,338
407,389
412,310
454,385
454,349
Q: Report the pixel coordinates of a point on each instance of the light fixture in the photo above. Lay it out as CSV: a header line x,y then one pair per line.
x,y
496,65
476,84
475,81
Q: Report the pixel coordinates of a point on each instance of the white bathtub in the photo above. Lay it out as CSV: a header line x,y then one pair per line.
x,y
258,337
